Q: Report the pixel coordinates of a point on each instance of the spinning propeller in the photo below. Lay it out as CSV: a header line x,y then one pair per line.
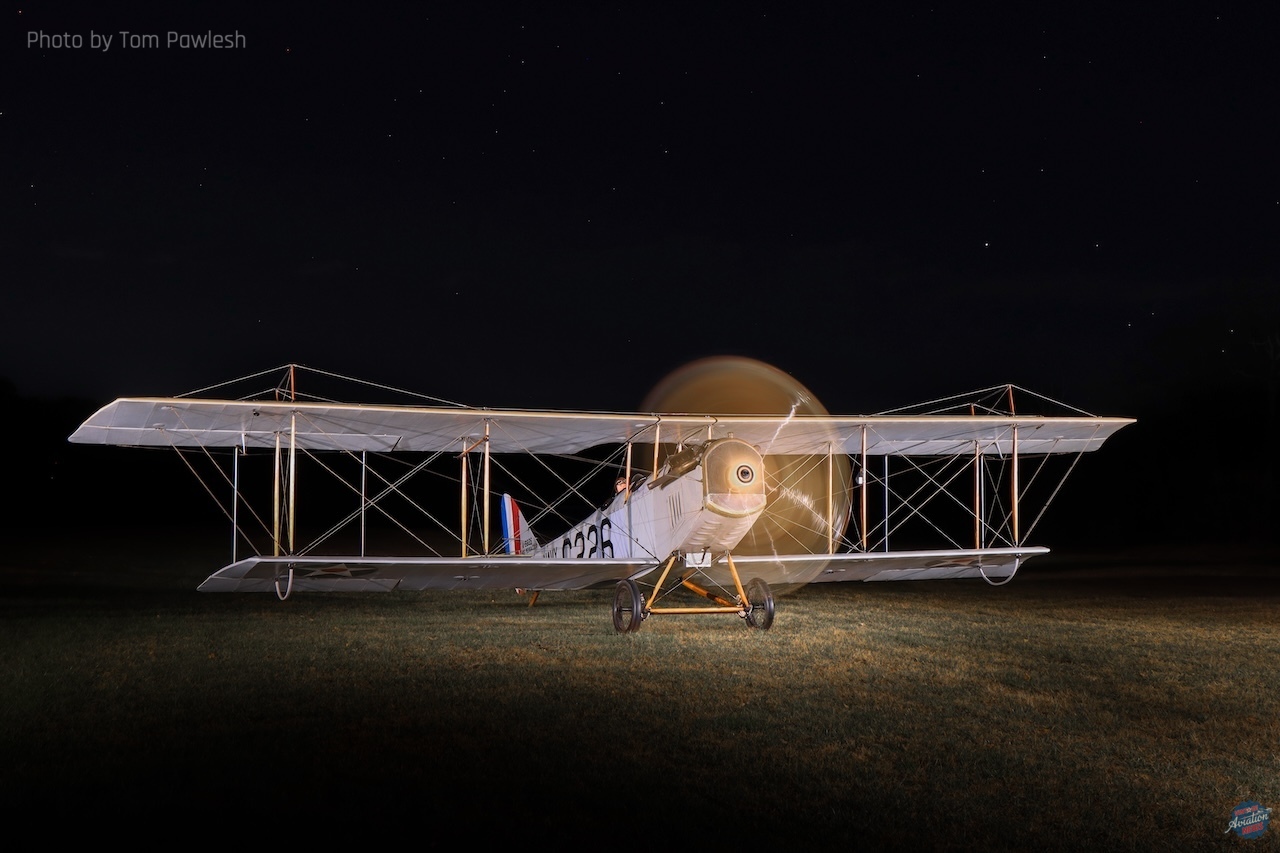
x,y
809,496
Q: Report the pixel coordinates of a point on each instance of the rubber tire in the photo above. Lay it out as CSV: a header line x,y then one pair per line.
x,y
628,607
760,607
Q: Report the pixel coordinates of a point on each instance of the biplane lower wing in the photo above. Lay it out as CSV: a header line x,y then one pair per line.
x,y
384,574
989,563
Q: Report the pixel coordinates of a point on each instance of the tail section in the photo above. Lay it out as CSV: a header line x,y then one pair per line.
x,y
516,535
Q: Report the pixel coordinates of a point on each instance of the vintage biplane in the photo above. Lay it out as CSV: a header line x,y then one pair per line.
x,y
732,484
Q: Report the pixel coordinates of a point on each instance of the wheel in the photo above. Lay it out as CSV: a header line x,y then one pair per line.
x,y
759,604
628,607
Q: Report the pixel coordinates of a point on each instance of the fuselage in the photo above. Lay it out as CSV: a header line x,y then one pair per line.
x,y
704,500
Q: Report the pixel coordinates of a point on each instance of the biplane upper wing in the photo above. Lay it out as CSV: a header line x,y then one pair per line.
x,y
183,422
377,574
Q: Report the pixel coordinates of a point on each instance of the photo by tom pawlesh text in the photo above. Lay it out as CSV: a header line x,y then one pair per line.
x,y
126,40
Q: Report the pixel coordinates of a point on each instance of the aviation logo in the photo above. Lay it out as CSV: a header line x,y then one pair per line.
x,y
1249,820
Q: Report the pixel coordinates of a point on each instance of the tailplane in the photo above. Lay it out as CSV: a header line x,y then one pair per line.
x,y
517,537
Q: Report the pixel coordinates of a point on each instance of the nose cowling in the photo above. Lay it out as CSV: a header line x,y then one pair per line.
x,y
733,481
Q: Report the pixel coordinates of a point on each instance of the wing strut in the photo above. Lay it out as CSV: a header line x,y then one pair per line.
x,y
1017,539
627,477
235,502
293,475
486,487
657,436
862,488
364,495
275,503
831,473
466,451
278,512
977,494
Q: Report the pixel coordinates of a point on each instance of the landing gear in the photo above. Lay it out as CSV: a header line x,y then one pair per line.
x,y
754,602
628,607
759,610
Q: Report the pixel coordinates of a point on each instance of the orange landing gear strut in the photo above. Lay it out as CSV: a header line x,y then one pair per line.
x,y
754,602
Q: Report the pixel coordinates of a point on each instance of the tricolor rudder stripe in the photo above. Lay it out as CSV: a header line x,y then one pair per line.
x,y
516,535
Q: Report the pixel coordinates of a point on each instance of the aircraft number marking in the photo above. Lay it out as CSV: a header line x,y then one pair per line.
x,y
589,541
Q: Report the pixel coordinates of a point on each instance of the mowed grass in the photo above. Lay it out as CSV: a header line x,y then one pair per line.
x,y
1114,707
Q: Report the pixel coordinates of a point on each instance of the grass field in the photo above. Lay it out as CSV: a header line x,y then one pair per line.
x,y
1125,705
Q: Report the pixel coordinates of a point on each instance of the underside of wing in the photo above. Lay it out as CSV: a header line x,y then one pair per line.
x,y
383,574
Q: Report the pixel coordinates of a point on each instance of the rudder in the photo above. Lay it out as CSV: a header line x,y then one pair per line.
x,y
517,537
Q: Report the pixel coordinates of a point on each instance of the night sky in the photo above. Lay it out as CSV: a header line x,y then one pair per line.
x,y
509,206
